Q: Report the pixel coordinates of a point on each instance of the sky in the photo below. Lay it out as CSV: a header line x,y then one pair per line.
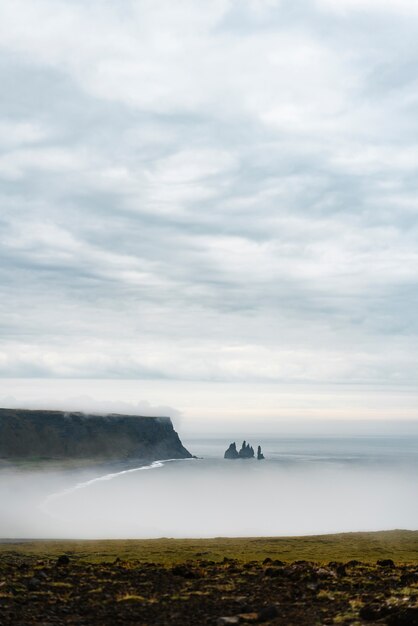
x,y
210,208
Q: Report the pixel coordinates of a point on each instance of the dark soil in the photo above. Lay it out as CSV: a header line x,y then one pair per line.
x,y
69,591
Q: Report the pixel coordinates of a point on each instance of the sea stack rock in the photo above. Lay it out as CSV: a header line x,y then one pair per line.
x,y
232,452
246,452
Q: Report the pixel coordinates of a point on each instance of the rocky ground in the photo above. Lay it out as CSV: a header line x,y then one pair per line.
x,y
70,591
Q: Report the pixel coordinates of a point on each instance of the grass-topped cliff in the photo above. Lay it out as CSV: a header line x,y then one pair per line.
x,y
26,434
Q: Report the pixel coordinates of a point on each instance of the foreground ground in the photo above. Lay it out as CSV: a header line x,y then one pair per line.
x,y
357,578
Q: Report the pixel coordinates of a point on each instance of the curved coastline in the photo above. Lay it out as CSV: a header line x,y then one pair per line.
x,y
105,477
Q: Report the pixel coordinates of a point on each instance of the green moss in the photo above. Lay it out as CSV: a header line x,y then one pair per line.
x,y
399,545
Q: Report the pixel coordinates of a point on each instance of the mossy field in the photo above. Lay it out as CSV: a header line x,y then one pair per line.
x,y
353,579
399,545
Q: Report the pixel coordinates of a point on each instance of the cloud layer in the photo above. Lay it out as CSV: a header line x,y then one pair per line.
x,y
211,191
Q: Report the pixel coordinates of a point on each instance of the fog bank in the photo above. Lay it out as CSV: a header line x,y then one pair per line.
x,y
305,486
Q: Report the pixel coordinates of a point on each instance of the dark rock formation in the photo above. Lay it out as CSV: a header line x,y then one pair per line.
x,y
26,434
232,452
246,452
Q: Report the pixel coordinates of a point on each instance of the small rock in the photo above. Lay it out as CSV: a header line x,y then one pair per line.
x,y
184,571
63,560
224,621
409,578
386,563
273,572
34,583
268,613
373,611
23,567
404,617
323,572
341,570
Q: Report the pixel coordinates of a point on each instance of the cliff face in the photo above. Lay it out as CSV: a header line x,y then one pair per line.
x,y
59,435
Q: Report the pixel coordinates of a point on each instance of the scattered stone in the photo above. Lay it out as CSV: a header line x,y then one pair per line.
x,y
268,613
190,592
404,617
341,570
185,572
34,584
411,578
63,560
374,611
273,572
386,563
323,572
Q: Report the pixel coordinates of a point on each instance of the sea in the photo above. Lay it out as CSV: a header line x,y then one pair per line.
x,y
305,486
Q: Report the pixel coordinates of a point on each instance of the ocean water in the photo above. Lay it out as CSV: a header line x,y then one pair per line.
x,y
304,486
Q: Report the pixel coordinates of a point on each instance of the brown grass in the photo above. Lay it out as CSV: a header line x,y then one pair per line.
x,y
399,545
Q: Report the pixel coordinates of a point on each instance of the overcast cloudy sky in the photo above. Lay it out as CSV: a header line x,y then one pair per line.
x,y
220,193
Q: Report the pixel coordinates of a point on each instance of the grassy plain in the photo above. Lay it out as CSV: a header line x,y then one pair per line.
x,y
399,545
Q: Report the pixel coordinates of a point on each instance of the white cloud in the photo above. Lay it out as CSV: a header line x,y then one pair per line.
x,y
15,164
164,60
14,134
209,191
401,7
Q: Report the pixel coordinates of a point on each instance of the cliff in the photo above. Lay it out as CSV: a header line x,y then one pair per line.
x,y
28,434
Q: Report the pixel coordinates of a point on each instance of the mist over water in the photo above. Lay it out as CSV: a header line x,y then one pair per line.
x,y
306,485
